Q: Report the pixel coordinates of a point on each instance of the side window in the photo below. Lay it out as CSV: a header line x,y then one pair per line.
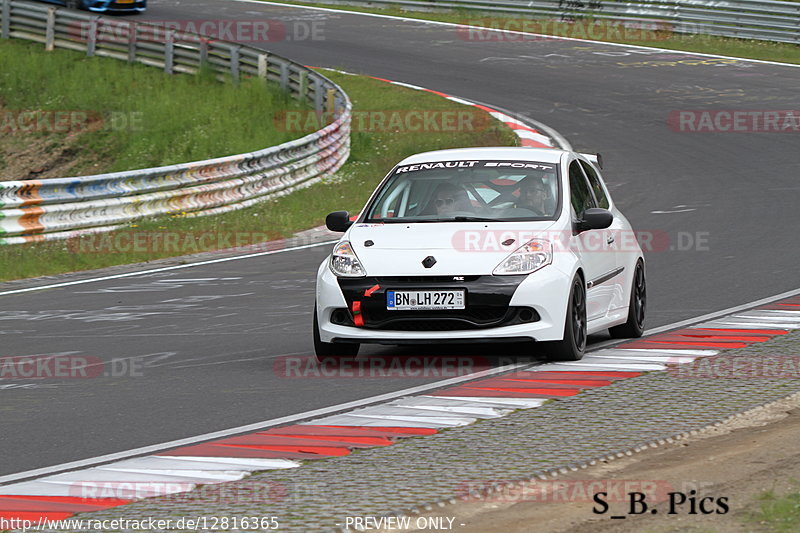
x,y
580,195
594,182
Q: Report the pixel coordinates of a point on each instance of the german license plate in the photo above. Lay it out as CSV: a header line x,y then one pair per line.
x,y
424,300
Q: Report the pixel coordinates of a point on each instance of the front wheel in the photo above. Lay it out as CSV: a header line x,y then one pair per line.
x,y
332,350
573,345
634,326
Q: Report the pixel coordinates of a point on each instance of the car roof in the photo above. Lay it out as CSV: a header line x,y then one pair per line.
x,y
502,153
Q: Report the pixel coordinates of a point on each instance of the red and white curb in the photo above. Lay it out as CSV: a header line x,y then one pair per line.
x,y
183,469
528,136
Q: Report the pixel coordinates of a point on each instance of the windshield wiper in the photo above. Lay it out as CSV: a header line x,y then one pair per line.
x,y
474,219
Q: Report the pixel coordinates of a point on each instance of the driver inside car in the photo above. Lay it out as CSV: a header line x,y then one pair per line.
x,y
450,199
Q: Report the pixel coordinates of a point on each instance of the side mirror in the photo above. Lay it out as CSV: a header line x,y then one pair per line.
x,y
338,221
595,218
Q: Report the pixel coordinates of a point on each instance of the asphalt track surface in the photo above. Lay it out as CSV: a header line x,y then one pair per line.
x,y
201,349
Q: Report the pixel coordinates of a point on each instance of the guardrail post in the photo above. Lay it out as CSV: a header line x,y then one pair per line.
x,y
318,103
5,26
50,31
303,90
133,33
284,76
263,66
91,44
797,29
235,64
203,52
330,101
169,52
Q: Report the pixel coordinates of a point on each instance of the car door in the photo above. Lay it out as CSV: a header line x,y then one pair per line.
x,y
616,237
595,247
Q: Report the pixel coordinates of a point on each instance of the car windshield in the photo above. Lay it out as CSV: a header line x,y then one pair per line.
x,y
469,190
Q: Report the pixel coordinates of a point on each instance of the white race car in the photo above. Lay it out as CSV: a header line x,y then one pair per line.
x,y
482,244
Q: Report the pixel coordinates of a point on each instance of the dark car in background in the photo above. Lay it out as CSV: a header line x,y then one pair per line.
x,y
103,6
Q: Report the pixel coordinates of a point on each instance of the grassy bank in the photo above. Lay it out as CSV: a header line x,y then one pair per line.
x,y
586,28
102,115
383,134
778,514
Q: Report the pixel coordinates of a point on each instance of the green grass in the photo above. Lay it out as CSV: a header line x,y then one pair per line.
x,y
780,514
139,116
706,44
373,154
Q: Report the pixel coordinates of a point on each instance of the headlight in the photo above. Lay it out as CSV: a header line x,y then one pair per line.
x,y
528,258
345,262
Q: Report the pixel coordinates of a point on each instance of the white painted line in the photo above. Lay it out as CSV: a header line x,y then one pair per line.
x,y
555,38
721,313
757,317
235,463
200,476
747,324
647,358
387,409
153,449
625,367
469,410
164,269
515,403
40,488
617,361
458,100
525,134
427,402
94,475
656,351
767,319
208,465
423,419
408,422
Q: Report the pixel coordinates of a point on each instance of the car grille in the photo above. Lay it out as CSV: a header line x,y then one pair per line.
x,y
487,299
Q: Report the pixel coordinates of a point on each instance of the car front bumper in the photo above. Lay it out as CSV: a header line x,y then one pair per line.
x,y
499,308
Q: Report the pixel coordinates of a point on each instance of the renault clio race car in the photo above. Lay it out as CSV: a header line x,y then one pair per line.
x,y
482,244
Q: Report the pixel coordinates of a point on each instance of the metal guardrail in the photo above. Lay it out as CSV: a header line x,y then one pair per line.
x,y
58,208
766,20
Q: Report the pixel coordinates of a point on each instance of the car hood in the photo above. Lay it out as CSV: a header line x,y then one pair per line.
x,y
462,248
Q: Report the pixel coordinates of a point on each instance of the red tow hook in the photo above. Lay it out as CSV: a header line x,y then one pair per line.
x,y
358,318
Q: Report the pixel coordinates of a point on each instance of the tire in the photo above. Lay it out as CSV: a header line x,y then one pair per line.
x,y
634,326
332,350
573,345
73,4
